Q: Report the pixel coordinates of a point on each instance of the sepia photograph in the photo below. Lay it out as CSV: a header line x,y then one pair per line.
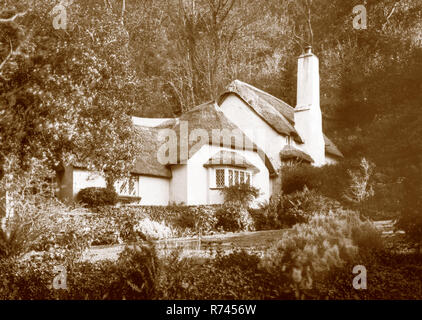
x,y
189,151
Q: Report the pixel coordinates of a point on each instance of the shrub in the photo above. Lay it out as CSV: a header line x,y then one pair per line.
x,y
137,274
240,193
295,178
68,230
298,207
152,230
37,224
329,181
228,218
267,216
96,197
410,219
235,275
182,220
133,276
193,218
360,188
315,248
287,210
231,217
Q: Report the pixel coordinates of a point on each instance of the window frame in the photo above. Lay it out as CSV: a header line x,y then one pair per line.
x,y
230,175
127,181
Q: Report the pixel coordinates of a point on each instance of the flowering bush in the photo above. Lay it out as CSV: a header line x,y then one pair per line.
x,y
152,230
299,207
267,215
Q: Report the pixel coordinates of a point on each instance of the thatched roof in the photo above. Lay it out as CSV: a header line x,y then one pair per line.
x,y
230,158
276,113
149,122
220,131
331,148
169,123
147,162
290,152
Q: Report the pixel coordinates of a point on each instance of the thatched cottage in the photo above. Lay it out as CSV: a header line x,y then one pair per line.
x,y
244,136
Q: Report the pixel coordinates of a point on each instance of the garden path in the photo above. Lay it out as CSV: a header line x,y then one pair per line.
x,y
251,241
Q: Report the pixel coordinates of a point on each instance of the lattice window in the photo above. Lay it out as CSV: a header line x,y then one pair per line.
x,y
123,186
128,186
132,186
219,178
230,177
248,178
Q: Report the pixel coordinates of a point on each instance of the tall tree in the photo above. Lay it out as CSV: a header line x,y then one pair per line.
x,y
66,93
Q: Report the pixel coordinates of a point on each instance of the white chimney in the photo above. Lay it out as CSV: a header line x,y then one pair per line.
x,y
308,119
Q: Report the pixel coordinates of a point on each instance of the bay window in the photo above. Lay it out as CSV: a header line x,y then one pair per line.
x,y
226,177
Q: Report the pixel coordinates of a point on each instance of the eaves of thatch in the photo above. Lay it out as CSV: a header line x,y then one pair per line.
x,y
210,119
232,159
289,152
331,148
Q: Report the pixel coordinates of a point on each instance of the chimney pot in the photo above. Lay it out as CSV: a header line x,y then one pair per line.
x,y
308,49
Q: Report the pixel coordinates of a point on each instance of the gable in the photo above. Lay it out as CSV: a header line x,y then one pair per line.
x,y
276,113
265,106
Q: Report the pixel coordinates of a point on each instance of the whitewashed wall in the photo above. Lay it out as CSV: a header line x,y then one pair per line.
x,y
83,178
154,190
198,177
256,129
178,184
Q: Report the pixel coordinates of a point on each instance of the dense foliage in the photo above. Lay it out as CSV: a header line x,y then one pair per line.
x,y
313,261
132,276
241,193
96,197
